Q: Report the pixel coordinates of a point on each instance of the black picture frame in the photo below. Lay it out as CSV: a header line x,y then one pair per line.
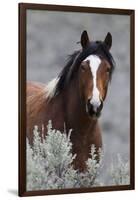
x,y
22,96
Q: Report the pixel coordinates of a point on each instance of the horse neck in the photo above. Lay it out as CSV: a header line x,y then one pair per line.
x,y
75,108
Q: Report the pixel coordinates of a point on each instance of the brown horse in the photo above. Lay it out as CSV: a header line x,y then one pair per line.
x,y
75,98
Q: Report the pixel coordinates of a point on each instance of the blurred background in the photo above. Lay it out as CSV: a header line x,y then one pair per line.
x,y
52,36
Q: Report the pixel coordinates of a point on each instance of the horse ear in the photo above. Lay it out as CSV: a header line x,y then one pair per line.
x,y
108,40
84,39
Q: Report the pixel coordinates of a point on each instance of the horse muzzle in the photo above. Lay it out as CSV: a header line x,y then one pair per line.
x,y
92,110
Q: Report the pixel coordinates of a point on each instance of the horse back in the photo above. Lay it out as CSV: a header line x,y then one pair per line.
x,y
33,88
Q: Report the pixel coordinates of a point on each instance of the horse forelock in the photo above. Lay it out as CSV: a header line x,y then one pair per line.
x,y
71,68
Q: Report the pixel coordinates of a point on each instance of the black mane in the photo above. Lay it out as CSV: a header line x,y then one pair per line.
x,y
98,48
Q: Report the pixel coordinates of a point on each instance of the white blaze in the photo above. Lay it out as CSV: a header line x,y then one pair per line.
x,y
94,65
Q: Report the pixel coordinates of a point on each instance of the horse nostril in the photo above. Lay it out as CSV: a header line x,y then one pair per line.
x,y
100,107
89,100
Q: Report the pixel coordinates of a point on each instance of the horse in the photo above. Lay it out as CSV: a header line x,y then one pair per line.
x,y
75,98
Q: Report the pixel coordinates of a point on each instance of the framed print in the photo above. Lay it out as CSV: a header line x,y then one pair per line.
x,y
76,99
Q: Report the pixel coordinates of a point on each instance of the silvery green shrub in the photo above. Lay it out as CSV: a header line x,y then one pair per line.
x,y
120,171
49,163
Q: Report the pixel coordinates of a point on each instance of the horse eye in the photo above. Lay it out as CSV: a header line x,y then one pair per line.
x,y
108,70
83,66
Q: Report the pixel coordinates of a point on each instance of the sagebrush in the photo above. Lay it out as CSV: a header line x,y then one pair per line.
x,y
49,164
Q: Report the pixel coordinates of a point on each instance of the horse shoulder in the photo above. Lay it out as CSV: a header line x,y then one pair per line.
x,y
40,109
36,106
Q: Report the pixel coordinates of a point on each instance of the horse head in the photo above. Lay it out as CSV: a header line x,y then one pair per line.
x,y
95,72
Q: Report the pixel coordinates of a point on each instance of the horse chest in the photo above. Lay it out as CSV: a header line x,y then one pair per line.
x,y
82,141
